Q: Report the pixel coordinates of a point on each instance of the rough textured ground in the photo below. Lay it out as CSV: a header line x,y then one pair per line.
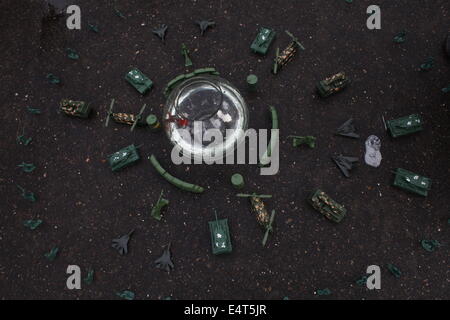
x,y
84,205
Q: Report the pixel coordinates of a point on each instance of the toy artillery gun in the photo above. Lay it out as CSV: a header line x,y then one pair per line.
x,y
327,206
125,118
287,54
139,80
263,40
405,125
333,84
123,158
412,182
262,216
75,108
220,236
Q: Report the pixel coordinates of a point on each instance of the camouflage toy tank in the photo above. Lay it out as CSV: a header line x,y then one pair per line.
x,y
123,158
332,84
327,206
139,80
412,182
405,125
263,40
220,236
260,211
75,108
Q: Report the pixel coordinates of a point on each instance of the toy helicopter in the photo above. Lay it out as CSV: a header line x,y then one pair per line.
x,y
125,118
262,216
287,54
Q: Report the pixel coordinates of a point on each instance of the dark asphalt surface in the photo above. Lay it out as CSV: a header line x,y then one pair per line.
x,y
84,205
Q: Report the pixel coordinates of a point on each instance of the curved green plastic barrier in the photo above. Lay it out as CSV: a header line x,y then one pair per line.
x,y
173,180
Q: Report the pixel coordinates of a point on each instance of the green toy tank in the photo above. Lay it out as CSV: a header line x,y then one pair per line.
x,y
332,84
75,108
220,236
123,158
412,182
327,206
139,80
263,40
405,125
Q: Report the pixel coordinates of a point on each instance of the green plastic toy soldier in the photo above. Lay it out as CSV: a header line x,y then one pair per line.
x,y
427,65
185,54
157,208
400,38
299,140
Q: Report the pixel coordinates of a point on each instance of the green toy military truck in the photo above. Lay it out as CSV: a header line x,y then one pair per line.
x,y
327,206
405,125
263,40
123,158
75,108
412,182
139,80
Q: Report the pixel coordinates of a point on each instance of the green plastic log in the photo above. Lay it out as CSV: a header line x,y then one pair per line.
x,y
175,181
273,139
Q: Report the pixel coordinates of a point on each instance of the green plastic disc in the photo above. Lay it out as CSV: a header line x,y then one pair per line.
x,y
237,180
252,79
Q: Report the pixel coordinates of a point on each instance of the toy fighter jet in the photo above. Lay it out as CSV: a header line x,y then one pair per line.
x,y
205,24
161,32
347,129
345,164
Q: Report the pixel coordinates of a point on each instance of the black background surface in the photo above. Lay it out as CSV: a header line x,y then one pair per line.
x,y
84,205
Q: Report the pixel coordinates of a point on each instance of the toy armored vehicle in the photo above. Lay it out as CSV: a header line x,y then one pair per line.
x,y
220,236
126,118
139,80
333,84
287,54
262,216
123,158
327,206
412,182
405,125
263,40
75,108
